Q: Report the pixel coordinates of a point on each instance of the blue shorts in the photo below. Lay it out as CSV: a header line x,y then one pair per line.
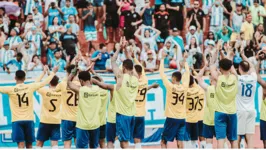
x,y
208,131
174,128
87,137
192,131
124,127
102,132
200,126
98,3
262,130
225,126
23,131
139,128
48,131
110,132
68,130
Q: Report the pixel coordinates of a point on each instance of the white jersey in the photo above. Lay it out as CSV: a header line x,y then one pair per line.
x,y
247,85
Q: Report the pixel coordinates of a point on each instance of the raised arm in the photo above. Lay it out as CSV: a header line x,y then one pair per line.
x,y
70,84
153,86
115,67
136,34
201,82
252,68
260,80
162,74
103,85
45,68
186,76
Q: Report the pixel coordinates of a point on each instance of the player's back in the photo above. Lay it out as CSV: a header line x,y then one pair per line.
x,y
88,108
126,95
104,100
111,108
51,102
210,106
141,97
226,91
247,85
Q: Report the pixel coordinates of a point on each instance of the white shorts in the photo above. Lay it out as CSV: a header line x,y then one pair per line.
x,y
246,122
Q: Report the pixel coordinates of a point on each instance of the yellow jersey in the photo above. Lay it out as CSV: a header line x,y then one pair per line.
x,y
69,101
263,110
104,100
175,94
21,98
126,96
142,92
111,118
209,109
194,104
89,108
226,103
51,102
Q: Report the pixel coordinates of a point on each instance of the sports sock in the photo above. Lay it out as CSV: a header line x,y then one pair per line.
x,y
55,147
225,145
38,147
138,146
209,146
242,143
187,144
194,144
117,144
202,144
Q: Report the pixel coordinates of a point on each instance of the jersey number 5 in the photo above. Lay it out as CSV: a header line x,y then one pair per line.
x,y
23,99
52,103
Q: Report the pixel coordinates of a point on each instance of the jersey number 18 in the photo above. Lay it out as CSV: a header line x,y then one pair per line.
x,y
246,90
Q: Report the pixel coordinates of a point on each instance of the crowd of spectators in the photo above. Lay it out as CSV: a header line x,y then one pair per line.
x,y
53,32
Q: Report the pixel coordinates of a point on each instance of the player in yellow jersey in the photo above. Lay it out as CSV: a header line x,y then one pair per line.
x,y
126,93
104,100
49,127
21,105
175,109
194,106
263,104
225,111
69,101
88,122
208,120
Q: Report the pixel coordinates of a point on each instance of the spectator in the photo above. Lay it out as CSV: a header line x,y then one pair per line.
x,y
147,14
52,46
176,13
144,53
73,24
37,18
6,19
55,29
260,28
161,22
108,64
2,37
257,13
100,57
121,56
247,28
227,5
125,6
29,23
14,40
58,61
237,18
28,49
52,12
132,20
194,53
193,32
150,35
30,4
111,19
224,34
82,62
216,14
135,49
6,54
69,10
63,3
210,36
4,26
199,16
169,53
15,64
150,62
69,42
98,8
176,38
35,64
210,50
206,6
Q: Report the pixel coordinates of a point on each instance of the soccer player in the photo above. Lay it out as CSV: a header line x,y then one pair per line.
x,y
263,104
49,127
21,105
175,109
88,122
246,113
225,114
194,107
69,100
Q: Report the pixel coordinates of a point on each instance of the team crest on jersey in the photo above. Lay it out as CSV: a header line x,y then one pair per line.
x,y
212,95
200,13
128,14
223,84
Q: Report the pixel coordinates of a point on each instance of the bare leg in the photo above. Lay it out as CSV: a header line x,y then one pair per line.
x,y
239,140
67,144
234,144
39,143
110,145
180,144
264,144
102,143
124,144
163,144
220,143
209,143
21,145
54,144
137,143
29,145
250,140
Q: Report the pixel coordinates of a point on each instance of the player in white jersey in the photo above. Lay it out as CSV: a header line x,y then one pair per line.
x,y
246,113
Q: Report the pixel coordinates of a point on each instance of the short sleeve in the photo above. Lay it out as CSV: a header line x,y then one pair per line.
x,y
95,54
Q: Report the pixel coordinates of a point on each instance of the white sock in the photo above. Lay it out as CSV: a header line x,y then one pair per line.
x,y
195,144
242,144
209,146
225,145
38,147
138,146
117,144
55,147
187,144
202,144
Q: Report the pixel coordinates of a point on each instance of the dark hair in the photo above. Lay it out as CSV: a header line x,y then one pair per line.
x,y
19,54
208,36
128,64
225,64
177,75
69,68
96,78
3,8
196,45
71,15
138,68
244,66
68,0
33,57
191,80
54,81
20,75
101,45
84,76
54,19
133,4
89,4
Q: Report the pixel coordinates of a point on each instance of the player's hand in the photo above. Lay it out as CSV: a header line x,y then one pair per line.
x,y
55,69
177,8
155,85
45,69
